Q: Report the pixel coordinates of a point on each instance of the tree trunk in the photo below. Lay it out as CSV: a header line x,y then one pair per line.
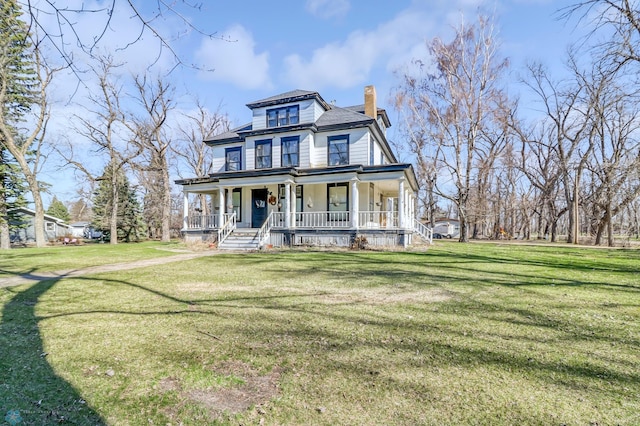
x,y
34,187
113,222
5,237
166,203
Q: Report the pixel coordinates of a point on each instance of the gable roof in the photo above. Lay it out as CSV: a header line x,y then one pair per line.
x,y
29,212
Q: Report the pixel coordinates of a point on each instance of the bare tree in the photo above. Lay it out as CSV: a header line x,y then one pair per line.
x,y
106,128
454,103
60,30
618,21
615,159
561,147
152,137
191,151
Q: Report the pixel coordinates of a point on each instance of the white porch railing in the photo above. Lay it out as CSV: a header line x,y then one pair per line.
x,y
333,220
423,230
378,220
265,229
227,228
203,221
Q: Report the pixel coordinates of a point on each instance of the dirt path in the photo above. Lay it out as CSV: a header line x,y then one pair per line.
x,y
41,276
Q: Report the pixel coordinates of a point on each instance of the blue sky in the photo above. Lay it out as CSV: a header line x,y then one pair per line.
x,y
335,47
338,46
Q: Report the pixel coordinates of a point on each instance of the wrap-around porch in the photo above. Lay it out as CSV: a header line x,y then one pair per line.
x,y
330,209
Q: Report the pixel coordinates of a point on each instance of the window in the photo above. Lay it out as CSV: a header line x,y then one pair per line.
x,y
281,195
236,202
49,226
338,150
290,151
371,153
338,200
263,154
283,116
233,159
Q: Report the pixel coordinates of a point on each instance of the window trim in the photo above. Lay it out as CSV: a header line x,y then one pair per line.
x,y
228,151
329,204
286,117
260,143
332,139
281,195
233,206
295,139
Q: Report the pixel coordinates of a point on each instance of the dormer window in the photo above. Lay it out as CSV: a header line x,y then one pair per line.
x,y
285,116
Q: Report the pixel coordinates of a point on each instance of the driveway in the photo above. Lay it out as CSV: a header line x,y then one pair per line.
x,y
42,276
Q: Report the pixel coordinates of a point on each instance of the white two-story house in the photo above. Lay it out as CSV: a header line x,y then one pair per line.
x,y
305,172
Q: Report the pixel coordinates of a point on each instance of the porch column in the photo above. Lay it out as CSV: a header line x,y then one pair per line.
x,y
221,204
355,203
293,206
287,205
401,203
185,209
412,210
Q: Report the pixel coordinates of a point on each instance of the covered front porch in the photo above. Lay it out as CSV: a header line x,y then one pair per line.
x,y
296,207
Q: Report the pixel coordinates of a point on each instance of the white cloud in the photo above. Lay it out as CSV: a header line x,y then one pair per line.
x,y
235,61
326,9
349,63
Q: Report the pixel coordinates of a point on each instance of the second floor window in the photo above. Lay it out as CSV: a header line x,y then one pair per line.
x,y
285,116
371,153
338,150
263,154
291,151
233,159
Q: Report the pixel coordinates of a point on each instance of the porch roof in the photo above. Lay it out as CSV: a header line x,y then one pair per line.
x,y
295,172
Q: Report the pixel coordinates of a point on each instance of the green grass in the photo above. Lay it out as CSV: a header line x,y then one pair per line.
x,y
477,334
61,257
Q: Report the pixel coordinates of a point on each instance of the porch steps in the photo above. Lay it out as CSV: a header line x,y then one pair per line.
x,y
241,239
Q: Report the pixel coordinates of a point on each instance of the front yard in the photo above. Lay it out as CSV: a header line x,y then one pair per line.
x,y
459,334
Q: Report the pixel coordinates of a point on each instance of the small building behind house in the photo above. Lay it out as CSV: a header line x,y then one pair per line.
x,y
22,230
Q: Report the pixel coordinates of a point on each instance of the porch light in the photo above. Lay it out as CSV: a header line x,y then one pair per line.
x,y
279,204
310,203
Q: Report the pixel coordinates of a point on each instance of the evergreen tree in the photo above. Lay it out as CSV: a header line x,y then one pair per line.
x,y
59,210
118,206
22,102
17,73
12,190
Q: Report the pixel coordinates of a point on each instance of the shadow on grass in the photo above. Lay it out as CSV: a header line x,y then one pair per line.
x,y
29,386
441,265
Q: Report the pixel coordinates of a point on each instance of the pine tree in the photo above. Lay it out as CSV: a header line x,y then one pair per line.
x,y
18,77
21,88
117,210
12,190
59,210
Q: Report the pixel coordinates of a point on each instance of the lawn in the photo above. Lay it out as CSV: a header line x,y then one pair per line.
x,y
477,334
68,257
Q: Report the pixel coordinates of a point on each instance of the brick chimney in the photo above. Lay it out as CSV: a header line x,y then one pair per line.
x,y
370,107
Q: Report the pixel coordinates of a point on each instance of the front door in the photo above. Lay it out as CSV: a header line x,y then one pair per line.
x,y
259,207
